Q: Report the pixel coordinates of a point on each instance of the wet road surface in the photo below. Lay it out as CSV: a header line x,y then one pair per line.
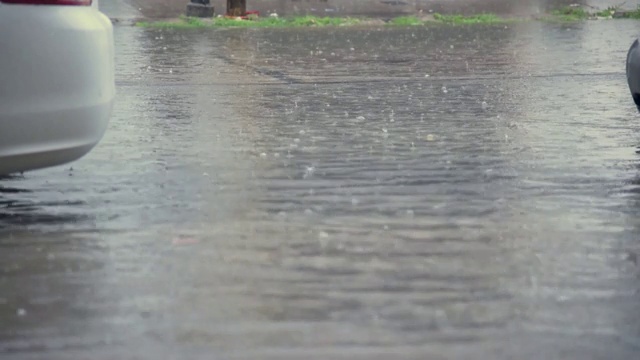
x,y
410,193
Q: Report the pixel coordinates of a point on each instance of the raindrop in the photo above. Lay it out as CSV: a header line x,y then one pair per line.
x,y
323,235
484,105
301,132
21,312
353,49
410,213
430,137
308,172
426,75
360,118
308,212
444,89
263,155
354,201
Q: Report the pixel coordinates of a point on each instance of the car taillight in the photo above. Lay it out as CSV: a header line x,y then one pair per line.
x,y
49,2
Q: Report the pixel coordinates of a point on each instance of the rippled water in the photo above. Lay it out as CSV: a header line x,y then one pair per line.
x,y
440,193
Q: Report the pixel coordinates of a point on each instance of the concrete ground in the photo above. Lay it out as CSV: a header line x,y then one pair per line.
x,y
173,8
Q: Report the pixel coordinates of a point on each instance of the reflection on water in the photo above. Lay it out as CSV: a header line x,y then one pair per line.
x,y
20,207
334,193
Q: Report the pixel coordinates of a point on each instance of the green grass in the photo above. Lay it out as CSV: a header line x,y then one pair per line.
x,y
565,14
569,13
322,21
406,21
302,21
484,18
471,19
314,21
606,12
266,22
633,14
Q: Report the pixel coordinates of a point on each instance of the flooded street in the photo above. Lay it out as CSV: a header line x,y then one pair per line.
x,y
365,193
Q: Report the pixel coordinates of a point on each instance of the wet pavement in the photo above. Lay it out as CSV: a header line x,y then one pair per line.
x,y
376,193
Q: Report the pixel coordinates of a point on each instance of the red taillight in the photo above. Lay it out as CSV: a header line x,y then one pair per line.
x,y
49,2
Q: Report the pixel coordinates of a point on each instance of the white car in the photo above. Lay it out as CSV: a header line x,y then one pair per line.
x,y
56,81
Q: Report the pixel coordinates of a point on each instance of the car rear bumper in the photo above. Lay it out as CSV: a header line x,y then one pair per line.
x,y
56,84
37,140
